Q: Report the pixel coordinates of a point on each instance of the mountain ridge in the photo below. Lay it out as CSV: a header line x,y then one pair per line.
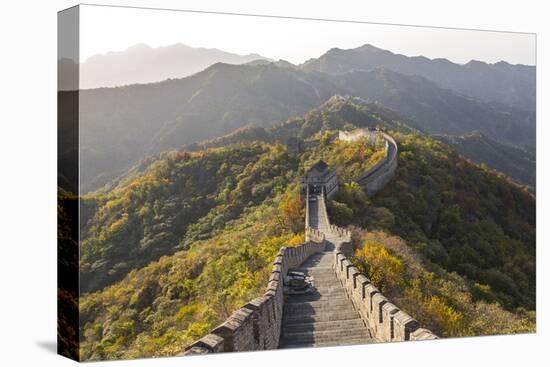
x,y
498,82
145,119
141,64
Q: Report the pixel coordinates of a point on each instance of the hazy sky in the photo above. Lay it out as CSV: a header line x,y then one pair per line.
x,y
106,29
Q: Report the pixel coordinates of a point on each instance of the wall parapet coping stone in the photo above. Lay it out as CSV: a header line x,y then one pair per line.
x,y
423,334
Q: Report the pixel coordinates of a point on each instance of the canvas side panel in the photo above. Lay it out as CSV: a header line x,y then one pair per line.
x,y
67,183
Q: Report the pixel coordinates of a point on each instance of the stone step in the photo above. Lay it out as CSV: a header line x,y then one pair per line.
x,y
294,316
327,285
331,302
321,288
334,300
319,266
318,307
326,325
325,277
315,296
343,332
324,280
312,318
329,288
330,344
312,297
324,336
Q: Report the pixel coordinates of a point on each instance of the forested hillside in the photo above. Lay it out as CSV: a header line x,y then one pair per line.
x,y
460,216
181,198
188,237
161,308
518,163
441,300
225,261
436,110
185,196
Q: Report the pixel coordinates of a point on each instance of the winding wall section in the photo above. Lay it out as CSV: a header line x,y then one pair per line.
x,y
258,325
382,172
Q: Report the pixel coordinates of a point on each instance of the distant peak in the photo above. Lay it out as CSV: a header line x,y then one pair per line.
x,y
257,62
442,60
285,64
473,63
502,63
334,50
369,47
139,47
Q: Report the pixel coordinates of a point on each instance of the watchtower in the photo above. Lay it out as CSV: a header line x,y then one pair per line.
x,y
294,145
319,176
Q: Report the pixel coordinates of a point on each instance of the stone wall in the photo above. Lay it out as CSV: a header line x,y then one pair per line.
x,y
297,145
351,136
343,242
382,172
386,320
257,325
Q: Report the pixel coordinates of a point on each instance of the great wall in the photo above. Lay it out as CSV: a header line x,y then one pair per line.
x,y
344,308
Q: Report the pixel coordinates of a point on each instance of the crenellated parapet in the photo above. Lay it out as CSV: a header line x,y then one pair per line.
x,y
257,325
314,235
343,233
387,321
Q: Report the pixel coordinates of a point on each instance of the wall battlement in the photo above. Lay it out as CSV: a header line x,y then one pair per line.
x,y
386,320
257,325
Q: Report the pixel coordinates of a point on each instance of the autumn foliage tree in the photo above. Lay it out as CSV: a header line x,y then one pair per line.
x,y
291,211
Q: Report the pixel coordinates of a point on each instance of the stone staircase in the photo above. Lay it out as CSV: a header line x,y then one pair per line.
x,y
325,317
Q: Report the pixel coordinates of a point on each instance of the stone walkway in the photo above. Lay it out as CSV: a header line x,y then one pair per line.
x,y
325,317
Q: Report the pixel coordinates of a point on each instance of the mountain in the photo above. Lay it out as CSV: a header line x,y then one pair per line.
x,y
501,82
437,110
119,126
517,163
180,244
143,64
180,197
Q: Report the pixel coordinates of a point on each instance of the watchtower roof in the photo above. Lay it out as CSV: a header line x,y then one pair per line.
x,y
320,166
319,169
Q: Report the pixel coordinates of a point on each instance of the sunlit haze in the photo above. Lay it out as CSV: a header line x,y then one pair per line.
x,y
105,29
